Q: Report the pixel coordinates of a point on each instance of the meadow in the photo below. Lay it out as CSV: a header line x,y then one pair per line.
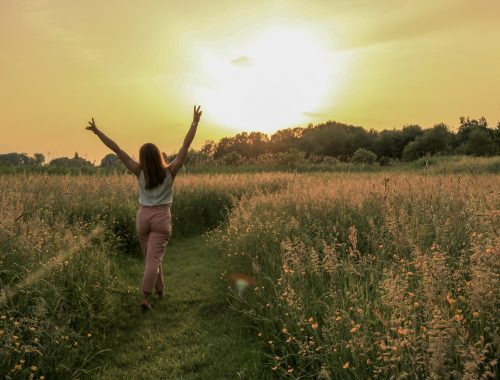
x,y
333,275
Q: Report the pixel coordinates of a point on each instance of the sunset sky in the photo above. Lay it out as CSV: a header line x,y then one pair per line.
x,y
138,68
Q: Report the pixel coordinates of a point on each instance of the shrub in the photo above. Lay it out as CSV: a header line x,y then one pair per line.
x,y
364,156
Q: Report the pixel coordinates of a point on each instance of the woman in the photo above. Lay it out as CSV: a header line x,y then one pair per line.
x,y
154,221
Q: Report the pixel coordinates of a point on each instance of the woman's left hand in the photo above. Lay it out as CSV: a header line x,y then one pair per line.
x,y
196,114
92,127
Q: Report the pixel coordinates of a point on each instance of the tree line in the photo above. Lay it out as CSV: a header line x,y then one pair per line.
x,y
324,142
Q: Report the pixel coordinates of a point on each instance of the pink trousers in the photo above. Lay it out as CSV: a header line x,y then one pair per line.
x,y
154,229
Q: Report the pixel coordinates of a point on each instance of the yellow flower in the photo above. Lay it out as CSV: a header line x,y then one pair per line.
x,y
355,328
346,365
458,317
450,299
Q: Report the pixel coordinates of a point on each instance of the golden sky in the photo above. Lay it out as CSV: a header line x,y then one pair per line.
x,y
138,67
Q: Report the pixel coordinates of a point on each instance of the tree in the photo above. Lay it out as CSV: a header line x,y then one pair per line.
x,y
231,158
433,141
479,143
209,148
475,138
39,158
111,161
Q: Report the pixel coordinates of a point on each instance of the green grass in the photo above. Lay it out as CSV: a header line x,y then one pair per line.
x,y
191,333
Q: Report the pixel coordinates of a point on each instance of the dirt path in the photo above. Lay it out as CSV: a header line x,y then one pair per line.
x,y
191,333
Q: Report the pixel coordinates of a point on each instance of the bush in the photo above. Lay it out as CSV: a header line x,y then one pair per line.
x,y
364,156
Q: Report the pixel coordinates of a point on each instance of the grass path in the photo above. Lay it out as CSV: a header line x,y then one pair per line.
x,y
191,333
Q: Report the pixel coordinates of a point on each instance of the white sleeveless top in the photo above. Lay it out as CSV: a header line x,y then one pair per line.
x,y
159,195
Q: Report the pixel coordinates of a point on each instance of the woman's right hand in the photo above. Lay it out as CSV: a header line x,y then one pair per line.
x,y
92,127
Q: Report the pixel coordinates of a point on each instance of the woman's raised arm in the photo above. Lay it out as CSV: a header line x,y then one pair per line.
x,y
128,161
179,160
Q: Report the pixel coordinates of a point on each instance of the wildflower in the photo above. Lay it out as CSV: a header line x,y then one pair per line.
x,y
403,331
310,320
339,318
3,317
89,335
346,365
35,340
259,334
355,328
75,344
274,368
290,370
15,337
17,323
270,342
475,314
314,326
458,317
450,299
34,368
289,340
42,377
284,330
276,357
1,332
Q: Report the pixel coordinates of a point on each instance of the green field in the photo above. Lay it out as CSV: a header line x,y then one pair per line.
x,y
390,274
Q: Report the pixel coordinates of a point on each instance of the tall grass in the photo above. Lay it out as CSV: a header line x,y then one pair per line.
x,y
358,275
361,276
60,238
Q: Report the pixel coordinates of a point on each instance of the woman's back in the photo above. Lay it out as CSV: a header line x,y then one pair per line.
x,y
159,195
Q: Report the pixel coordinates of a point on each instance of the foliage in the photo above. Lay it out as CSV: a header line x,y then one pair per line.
x,y
371,276
364,156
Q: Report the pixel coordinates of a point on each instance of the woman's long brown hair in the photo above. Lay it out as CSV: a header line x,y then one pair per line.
x,y
152,165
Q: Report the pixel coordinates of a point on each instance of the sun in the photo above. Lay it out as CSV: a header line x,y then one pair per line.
x,y
276,80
